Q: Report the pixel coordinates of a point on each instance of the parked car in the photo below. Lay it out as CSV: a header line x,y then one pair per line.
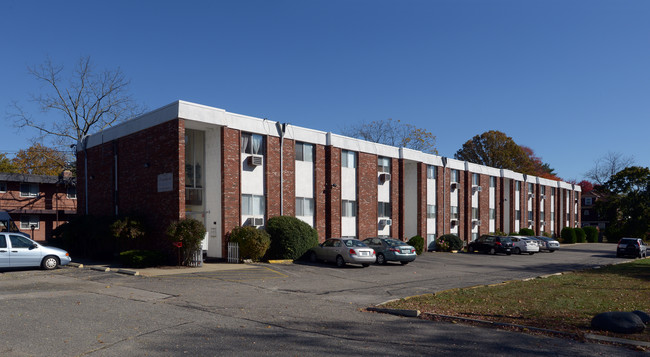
x,y
343,251
390,249
548,244
491,244
18,251
634,247
524,245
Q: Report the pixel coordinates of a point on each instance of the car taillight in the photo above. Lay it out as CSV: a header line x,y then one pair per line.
x,y
353,252
497,243
393,250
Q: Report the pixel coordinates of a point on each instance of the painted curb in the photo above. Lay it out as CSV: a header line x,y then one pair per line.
x,y
281,261
128,272
75,265
104,269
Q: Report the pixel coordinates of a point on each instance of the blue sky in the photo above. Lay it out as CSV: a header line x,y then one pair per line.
x,y
570,79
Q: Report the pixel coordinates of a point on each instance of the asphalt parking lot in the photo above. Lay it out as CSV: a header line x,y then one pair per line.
x,y
295,309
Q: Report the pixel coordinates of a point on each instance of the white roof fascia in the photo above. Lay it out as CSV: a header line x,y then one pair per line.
x,y
352,144
565,185
512,175
419,156
455,164
577,188
530,178
482,169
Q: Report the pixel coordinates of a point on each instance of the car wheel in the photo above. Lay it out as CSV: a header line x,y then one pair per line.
x,y
365,265
517,250
50,262
531,253
381,259
339,261
508,253
313,258
551,251
492,251
404,263
470,249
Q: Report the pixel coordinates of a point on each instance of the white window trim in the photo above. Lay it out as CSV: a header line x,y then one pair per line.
x,y
30,193
27,220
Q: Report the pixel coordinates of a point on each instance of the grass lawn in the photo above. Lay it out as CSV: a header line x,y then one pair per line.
x,y
565,303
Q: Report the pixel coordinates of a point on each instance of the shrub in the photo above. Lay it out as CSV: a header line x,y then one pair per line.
x,y
568,235
580,235
592,234
498,233
291,238
141,258
547,234
128,232
190,233
86,236
253,242
449,242
526,232
417,242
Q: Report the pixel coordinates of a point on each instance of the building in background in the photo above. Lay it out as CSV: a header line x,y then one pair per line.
x,y
228,170
37,204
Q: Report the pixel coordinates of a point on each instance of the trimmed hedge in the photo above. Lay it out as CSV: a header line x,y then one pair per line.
x,y
291,238
448,243
568,235
253,243
592,234
526,232
581,236
418,243
142,258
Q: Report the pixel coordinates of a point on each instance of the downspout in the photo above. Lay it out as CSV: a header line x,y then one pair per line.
x,y
84,143
281,131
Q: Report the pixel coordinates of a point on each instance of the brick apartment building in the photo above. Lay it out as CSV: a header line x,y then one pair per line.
x,y
38,202
228,170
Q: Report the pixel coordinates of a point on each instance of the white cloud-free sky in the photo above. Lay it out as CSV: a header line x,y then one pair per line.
x,y
569,79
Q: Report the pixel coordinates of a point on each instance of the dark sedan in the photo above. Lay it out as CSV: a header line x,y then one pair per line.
x,y
390,249
491,244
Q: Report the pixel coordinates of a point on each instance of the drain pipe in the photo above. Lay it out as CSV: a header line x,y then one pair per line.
x,y
282,128
84,143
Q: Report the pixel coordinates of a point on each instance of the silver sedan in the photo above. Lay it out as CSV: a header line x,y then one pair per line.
x,y
343,251
19,251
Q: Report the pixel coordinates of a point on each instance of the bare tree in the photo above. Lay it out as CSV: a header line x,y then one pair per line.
x,y
394,133
607,166
87,101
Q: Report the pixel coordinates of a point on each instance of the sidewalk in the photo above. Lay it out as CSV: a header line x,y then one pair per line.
x,y
157,271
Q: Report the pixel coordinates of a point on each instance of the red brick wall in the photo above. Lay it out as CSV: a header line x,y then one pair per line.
x,y
367,195
321,190
333,194
272,179
231,184
484,205
289,177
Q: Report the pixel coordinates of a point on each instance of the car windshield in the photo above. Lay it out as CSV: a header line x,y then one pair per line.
x,y
354,243
628,241
505,240
393,242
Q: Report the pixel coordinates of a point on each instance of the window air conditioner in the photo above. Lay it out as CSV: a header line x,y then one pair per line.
x,y
476,222
258,222
384,177
454,185
530,223
386,222
530,195
477,188
542,223
543,197
255,160
454,222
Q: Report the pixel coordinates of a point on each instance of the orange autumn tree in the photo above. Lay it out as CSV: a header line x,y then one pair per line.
x,y
39,160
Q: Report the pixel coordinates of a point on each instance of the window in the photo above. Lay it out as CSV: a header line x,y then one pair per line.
x,y
20,242
475,179
586,212
348,159
3,187
588,201
349,208
542,216
431,211
432,173
455,176
518,215
252,205
71,192
383,164
384,209
28,190
530,215
531,188
304,206
493,181
474,212
26,222
493,213
517,186
543,190
454,212
252,144
304,152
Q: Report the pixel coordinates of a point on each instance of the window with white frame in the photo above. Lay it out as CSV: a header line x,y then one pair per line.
x,y
3,187
304,206
530,215
455,176
383,164
493,181
348,159
453,212
517,186
542,216
543,190
348,208
384,209
475,179
432,173
474,212
28,190
493,213
518,215
252,144
304,152
252,205
71,192
431,211
588,201
26,222
531,188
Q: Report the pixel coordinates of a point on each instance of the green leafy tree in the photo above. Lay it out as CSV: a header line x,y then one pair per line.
x,y
394,133
627,205
6,165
